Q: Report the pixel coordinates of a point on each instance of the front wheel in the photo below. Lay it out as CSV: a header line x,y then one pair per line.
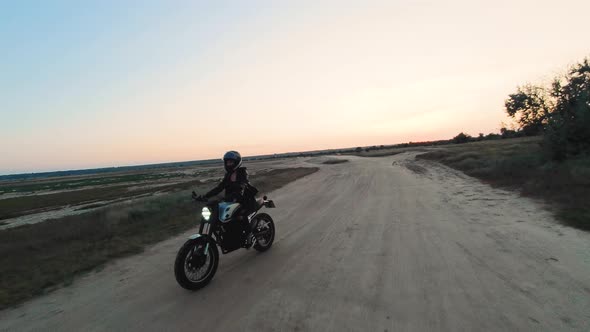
x,y
264,232
196,263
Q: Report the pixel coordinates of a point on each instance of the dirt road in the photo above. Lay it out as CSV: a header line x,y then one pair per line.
x,y
376,244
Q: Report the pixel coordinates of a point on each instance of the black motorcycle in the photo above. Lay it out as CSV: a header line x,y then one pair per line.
x,y
197,260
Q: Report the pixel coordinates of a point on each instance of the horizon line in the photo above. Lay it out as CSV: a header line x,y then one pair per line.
x,y
199,160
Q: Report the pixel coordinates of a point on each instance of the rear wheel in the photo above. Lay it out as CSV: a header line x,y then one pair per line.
x,y
264,232
196,263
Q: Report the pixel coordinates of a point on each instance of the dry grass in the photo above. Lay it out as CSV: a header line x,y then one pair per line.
x,y
79,182
37,258
20,206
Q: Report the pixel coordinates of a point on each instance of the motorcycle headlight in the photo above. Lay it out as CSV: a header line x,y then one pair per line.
x,y
206,213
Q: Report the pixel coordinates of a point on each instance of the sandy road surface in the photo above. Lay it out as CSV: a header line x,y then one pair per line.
x,y
383,244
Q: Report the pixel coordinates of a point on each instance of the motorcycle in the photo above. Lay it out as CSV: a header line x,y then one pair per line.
x,y
197,260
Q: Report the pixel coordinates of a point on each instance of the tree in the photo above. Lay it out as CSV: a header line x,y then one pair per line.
x,y
568,125
461,138
529,106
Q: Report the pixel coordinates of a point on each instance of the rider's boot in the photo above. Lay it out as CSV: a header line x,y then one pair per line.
x,y
249,233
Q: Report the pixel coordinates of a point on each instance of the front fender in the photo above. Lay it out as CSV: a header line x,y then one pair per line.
x,y
203,236
195,236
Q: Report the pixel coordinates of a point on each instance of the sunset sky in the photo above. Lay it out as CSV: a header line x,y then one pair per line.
x,y
110,83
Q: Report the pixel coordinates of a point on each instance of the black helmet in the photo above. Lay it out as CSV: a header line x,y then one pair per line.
x,y
232,155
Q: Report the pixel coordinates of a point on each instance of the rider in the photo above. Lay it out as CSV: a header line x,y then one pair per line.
x,y
237,187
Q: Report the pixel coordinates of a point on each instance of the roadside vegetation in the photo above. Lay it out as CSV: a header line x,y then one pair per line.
x,y
378,152
23,205
552,160
519,164
335,161
35,259
79,182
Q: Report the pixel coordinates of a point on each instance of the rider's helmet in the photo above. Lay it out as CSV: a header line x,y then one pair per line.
x,y
231,161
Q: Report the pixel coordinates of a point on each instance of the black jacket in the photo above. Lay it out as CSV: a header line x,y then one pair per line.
x,y
233,190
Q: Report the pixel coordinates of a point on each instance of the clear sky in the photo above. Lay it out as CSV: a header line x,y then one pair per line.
x,y
110,83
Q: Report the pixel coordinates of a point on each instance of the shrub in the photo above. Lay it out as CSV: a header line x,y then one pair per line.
x,y
461,138
568,127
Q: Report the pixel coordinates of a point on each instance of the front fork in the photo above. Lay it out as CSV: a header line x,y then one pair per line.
x,y
204,229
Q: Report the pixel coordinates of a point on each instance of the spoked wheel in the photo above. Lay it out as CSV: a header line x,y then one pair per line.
x,y
196,263
264,232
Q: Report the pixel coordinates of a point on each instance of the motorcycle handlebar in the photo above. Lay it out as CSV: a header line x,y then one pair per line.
x,y
198,198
